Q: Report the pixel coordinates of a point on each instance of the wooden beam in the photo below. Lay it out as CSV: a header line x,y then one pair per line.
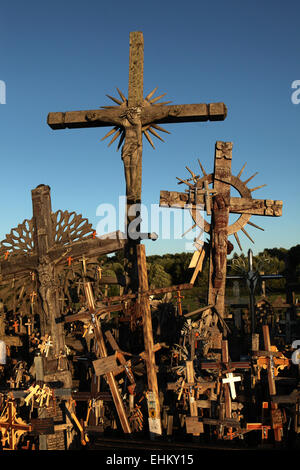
x,y
147,327
136,69
157,114
267,344
225,359
263,207
220,219
102,352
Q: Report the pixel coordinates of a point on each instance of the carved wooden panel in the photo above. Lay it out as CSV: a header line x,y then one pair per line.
x,y
19,240
70,227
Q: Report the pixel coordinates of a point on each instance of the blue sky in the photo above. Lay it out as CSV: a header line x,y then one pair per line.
x,y
67,55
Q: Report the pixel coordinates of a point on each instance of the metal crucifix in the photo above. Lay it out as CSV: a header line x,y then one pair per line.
x,y
252,277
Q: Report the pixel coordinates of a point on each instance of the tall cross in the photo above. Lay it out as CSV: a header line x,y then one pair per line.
x,y
252,276
223,204
131,118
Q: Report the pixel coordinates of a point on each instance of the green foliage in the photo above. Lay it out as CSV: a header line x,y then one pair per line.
x,y
172,269
157,276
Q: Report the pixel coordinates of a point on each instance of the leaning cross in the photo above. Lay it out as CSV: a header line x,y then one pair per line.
x,y
131,118
102,352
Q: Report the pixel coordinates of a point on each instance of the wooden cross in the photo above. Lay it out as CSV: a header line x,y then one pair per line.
x,y
15,325
193,389
231,379
29,325
223,204
270,359
131,118
121,358
259,427
45,254
32,296
69,259
11,426
148,336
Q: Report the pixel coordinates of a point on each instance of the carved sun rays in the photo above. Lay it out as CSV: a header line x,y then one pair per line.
x,y
193,182
119,132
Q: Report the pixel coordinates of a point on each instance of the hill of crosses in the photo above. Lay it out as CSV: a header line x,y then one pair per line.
x,y
95,356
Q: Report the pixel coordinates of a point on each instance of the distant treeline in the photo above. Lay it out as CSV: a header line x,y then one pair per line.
x,y
172,269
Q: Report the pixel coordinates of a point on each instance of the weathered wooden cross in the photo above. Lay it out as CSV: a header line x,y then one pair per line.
x,y
221,205
131,118
44,242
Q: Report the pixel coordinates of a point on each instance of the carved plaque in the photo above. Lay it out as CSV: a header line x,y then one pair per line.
x,y
193,425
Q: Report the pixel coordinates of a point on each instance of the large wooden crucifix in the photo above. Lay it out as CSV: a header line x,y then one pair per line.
x,y
131,118
43,243
221,204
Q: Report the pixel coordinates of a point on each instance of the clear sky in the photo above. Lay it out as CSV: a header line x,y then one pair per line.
x,y
67,55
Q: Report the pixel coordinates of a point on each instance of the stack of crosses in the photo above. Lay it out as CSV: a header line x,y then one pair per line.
x,y
131,118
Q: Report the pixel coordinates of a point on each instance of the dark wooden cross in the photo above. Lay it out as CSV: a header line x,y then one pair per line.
x,y
46,247
221,204
252,276
131,118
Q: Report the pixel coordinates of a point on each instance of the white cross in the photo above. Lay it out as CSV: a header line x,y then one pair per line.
x,y
230,380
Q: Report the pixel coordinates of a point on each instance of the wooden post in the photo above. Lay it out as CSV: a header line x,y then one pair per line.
x,y
132,118
271,376
222,205
148,333
44,241
219,231
39,376
225,359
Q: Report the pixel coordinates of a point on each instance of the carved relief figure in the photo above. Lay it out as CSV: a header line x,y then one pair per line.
x,y
220,245
132,151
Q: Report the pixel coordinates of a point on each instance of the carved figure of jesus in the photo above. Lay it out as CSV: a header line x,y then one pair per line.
x,y
132,152
220,244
